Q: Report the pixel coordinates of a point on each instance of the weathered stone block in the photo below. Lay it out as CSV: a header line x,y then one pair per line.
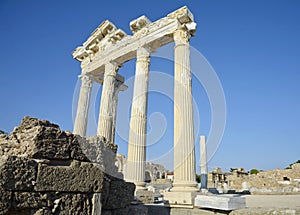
x,y
145,196
17,173
73,204
21,212
36,138
23,200
51,143
220,202
77,177
87,149
43,211
40,139
96,150
138,210
5,201
120,195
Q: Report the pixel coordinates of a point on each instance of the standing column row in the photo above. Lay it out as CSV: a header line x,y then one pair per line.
x,y
135,171
119,86
108,106
184,151
80,123
106,118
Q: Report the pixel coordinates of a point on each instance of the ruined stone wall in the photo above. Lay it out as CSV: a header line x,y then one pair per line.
x,y
44,170
287,180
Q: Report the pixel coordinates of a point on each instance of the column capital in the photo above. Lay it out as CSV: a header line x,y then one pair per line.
x,y
181,36
143,53
111,69
86,80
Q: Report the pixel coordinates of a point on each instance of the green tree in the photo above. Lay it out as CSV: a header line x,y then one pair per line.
x,y
254,171
2,132
198,178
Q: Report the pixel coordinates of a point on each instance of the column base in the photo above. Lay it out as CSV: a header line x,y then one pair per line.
x,y
182,195
140,185
177,199
185,187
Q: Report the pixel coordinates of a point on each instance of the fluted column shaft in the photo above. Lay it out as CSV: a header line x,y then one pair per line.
x,y
105,122
114,107
80,124
137,136
184,151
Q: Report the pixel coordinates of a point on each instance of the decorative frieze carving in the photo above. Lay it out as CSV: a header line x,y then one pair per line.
x,y
139,23
183,15
100,39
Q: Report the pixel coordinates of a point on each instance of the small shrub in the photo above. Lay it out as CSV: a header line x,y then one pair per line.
x,y
254,171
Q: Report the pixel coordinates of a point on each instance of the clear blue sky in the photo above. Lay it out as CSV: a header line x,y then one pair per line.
x,y
253,46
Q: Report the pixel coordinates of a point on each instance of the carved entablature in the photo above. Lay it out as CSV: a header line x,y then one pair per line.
x,y
186,18
105,35
117,36
183,15
107,27
108,43
80,53
139,23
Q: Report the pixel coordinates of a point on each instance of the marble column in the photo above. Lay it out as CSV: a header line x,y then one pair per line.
x,y
184,147
138,130
203,163
105,122
80,124
119,86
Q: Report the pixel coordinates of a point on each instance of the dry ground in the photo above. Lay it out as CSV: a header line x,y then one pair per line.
x,y
273,201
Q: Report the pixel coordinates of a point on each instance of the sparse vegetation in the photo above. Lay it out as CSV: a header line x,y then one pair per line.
x,y
254,171
290,166
232,169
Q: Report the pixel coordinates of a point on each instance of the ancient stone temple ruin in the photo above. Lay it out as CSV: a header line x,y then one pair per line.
x,y
101,57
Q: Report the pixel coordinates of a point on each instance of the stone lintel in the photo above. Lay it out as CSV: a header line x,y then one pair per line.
x,y
99,78
125,50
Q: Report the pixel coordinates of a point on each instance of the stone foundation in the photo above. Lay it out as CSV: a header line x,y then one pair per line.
x,y
44,170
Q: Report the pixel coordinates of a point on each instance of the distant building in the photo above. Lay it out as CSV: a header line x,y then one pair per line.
x,y
154,172
279,180
170,176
